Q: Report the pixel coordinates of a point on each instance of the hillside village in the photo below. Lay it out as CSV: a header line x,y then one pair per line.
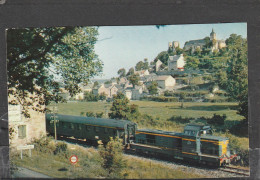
x,y
168,76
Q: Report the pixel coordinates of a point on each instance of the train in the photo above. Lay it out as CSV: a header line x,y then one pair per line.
x,y
195,144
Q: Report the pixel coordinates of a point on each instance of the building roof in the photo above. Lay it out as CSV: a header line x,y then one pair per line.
x,y
193,42
175,57
162,78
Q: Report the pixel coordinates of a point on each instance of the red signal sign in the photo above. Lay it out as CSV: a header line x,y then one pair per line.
x,y
74,159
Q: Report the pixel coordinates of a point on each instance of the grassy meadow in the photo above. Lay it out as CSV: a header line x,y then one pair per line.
x,y
163,110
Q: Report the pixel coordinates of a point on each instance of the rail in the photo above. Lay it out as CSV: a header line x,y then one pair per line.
x,y
236,170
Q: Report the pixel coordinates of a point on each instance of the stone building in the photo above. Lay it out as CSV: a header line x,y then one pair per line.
x,y
176,62
25,129
158,65
194,44
165,82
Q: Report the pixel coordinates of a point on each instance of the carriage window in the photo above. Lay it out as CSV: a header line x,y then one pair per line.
x,y
106,130
88,128
79,127
71,126
97,129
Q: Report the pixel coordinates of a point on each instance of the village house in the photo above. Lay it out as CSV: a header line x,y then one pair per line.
x,y
158,65
25,129
122,80
101,89
128,93
142,72
165,82
137,93
108,89
176,62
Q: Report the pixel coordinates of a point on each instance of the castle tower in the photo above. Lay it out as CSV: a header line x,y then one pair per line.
x,y
175,44
213,35
170,45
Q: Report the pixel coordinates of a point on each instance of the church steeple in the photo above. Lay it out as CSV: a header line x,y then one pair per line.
x,y
213,35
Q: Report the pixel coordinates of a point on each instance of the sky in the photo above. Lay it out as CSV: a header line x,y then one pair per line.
x,y
124,46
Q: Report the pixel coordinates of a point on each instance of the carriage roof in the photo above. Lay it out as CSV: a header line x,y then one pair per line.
x,y
90,120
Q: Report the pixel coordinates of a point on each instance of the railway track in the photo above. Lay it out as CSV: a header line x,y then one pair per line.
x,y
235,170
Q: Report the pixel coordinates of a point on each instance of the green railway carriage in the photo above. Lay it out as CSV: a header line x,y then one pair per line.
x,y
90,128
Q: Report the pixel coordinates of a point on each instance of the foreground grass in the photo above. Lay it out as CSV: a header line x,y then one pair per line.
x,y
89,166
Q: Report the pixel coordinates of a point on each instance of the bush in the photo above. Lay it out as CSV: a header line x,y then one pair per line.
x,y
217,120
240,129
161,99
61,147
244,157
112,157
180,119
43,144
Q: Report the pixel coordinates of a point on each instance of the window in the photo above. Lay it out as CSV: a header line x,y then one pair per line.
x,y
97,129
79,126
71,126
88,128
22,131
64,125
105,130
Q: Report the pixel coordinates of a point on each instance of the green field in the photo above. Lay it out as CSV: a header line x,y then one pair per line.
x,y
163,110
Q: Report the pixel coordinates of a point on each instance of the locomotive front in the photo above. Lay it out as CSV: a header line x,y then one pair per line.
x,y
227,156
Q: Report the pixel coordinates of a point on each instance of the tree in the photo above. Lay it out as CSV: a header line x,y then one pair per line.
x,y
146,64
95,84
142,65
192,63
130,72
163,56
134,79
237,72
208,42
112,157
90,114
153,88
197,51
139,66
178,50
120,108
41,60
121,72
221,78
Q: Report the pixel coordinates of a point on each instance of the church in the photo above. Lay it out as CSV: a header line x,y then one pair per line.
x,y
194,44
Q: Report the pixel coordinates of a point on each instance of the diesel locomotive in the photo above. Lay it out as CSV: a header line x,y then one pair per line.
x,y
195,144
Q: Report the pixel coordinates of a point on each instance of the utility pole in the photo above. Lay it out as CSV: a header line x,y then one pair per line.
x,y
55,108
